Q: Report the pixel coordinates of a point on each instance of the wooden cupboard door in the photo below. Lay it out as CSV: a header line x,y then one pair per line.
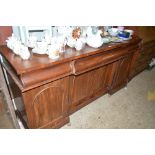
x,y
121,73
86,86
47,105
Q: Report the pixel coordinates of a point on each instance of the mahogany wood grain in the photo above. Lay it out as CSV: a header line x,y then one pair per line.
x,y
50,73
120,77
85,85
94,61
47,105
136,56
143,58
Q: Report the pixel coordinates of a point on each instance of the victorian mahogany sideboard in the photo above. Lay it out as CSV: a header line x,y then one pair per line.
x,y
47,91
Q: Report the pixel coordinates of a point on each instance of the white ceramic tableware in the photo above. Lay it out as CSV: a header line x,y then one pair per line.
x,y
113,31
42,45
89,31
130,31
79,44
71,42
32,39
95,40
53,51
24,53
120,28
105,40
41,48
31,42
97,43
17,47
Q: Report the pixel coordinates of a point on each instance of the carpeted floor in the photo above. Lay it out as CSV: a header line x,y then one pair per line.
x,y
5,119
133,107
128,108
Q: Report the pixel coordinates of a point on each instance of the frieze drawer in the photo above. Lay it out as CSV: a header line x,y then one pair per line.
x,y
98,60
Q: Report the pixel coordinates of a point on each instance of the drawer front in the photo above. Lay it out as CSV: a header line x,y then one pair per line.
x,y
32,79
95,61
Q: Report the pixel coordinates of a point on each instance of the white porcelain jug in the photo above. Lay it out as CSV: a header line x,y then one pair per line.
x,y
95,40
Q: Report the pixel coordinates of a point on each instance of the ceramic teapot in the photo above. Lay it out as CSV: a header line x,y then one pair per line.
x,y
94,40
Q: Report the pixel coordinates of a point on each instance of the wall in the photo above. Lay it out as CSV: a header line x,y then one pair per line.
x,y
5,32
147,33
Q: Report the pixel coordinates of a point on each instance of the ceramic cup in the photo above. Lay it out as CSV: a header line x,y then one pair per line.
x,y
53,51
42,47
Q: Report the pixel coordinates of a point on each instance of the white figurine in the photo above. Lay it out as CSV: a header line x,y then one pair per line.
x,y
16,46
24,53
79,44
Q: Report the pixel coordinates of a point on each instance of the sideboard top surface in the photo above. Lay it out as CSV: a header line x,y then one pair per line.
x,y
42,61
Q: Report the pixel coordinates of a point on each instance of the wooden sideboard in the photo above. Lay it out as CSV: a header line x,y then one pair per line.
x,y
147,53
51,90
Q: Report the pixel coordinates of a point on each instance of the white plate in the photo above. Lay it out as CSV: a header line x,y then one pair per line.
x,y
39,51
126,38
30,45
116,40
105,40
53,57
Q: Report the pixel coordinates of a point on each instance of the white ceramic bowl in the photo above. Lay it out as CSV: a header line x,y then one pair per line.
x,y
130,31
91,42
42,45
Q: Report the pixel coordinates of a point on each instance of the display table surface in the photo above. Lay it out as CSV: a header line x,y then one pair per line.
x,y
51,90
